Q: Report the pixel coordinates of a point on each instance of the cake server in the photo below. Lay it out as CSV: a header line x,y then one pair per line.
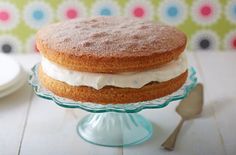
x,y
189,108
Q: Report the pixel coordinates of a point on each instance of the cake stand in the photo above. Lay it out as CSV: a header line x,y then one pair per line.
x,y
114,124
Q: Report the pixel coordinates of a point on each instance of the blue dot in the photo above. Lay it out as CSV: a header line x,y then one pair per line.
x,y
234,10
105,12
172,11
38,14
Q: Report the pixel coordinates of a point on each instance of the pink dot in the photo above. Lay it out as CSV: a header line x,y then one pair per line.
x,y
4,15
71,13
234,43
138,12
206,10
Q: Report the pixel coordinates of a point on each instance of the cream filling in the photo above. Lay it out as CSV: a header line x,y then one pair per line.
x,y
123,80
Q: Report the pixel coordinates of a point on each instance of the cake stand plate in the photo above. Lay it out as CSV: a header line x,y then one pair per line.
x,y
114,124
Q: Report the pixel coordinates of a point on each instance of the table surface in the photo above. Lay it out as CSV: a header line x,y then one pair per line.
x,y
30,125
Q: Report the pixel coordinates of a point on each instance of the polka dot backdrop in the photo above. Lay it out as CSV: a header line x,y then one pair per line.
x,y
209,24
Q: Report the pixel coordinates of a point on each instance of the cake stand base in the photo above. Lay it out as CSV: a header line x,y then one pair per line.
x,y
114,129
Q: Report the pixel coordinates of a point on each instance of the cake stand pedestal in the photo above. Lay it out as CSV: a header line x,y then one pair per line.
x,y
114,129
114,124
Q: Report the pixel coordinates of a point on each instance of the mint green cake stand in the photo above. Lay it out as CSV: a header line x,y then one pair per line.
x,y
114,124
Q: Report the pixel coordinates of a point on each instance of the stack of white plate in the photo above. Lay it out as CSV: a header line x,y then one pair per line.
x,y
12,75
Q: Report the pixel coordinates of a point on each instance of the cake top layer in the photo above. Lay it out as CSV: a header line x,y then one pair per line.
x,y
110,37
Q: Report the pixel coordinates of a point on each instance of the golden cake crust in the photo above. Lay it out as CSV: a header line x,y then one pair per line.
x,y
110,94
110,44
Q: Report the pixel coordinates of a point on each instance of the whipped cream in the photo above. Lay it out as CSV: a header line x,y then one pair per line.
x,y
123,80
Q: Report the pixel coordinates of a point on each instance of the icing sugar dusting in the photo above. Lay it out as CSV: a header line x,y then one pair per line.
x,y
110,36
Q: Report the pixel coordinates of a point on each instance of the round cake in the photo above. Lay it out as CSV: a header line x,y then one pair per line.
x,y
110,60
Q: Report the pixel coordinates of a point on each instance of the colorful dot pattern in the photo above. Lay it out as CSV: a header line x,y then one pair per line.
x,y
20,20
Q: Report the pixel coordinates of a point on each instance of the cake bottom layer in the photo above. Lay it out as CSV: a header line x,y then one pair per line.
x,y
111,94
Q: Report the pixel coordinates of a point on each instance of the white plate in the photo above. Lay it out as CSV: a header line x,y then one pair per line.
x,y
10,71
15,86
